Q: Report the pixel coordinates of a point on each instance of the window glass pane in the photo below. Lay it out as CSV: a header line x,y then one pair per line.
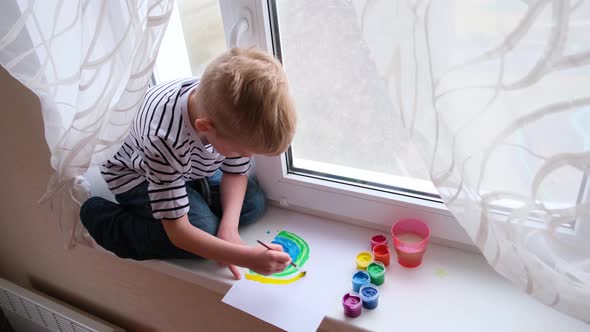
x,y
203,31
345,114
194,36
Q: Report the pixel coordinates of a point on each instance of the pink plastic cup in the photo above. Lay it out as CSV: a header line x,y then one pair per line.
x,y
410,239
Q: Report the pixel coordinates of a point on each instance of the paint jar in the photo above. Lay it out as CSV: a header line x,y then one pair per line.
x,y
353,305
369,295
360,278
377,273
410,239
378,239
363,259
382,254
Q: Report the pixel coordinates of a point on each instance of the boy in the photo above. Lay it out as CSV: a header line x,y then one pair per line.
x,y
174,203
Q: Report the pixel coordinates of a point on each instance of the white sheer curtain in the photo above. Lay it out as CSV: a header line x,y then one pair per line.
x,y
496,96
89,62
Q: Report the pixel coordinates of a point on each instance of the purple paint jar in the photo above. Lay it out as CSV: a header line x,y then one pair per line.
x,y
353,305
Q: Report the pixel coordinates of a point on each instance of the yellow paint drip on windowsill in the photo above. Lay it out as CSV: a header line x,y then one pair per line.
x,y
440,273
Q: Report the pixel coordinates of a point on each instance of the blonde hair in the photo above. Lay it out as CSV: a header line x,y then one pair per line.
x,y
246,96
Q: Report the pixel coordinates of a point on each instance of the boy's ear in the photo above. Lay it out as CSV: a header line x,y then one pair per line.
x,y
203,125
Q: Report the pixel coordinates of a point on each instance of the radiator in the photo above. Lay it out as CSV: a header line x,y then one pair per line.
x,y
29,311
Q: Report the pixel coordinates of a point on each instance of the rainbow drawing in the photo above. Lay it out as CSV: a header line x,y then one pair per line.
x,y
297,248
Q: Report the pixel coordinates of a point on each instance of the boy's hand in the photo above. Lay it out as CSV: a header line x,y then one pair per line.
x,y
267,262
185,236
230,234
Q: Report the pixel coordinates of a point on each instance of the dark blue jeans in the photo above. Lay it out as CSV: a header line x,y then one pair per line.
x,y
129,229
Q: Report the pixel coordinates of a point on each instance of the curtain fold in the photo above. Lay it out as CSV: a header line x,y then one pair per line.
x,y
90,63
495,96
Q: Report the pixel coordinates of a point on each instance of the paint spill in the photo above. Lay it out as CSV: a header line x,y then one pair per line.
x,y
441,273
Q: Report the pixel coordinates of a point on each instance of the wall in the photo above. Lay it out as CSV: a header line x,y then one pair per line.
x,y
32,252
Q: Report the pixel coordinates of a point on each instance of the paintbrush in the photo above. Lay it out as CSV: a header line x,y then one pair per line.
x,y
303,272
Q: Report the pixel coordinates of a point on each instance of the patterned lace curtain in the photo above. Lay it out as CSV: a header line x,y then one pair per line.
x,y
89,62
496,96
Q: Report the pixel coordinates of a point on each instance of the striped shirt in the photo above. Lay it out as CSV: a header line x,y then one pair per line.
x,y
163,149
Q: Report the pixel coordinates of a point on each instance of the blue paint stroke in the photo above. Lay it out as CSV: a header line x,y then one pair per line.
x,y
289,246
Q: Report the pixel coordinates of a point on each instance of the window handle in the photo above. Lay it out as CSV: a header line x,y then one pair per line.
x,y
237,31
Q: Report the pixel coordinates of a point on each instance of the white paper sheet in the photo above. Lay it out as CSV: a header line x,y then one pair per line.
x,y
301,306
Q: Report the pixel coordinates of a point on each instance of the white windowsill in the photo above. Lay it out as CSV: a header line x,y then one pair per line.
x,y
453,290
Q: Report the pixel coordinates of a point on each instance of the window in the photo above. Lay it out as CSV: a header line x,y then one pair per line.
x,y
345,130
350,171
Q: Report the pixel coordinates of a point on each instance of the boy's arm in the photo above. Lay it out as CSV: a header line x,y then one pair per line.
x,y
169,202
185,236
233,190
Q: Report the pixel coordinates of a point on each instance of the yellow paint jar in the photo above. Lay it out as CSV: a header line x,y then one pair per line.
x,y
363,259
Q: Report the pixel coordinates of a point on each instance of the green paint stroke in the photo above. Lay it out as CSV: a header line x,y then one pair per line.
x,y
299,261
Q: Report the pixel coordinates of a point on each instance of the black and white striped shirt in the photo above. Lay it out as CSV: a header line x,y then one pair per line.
x,y
163,148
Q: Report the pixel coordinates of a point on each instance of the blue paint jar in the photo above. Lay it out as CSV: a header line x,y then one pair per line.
x,y
360,278
370,296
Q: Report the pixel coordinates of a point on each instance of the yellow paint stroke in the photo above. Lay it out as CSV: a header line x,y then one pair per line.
x,y
270,280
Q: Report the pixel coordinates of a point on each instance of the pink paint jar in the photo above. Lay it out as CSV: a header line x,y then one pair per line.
x,y
353,305
410,239
378,239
